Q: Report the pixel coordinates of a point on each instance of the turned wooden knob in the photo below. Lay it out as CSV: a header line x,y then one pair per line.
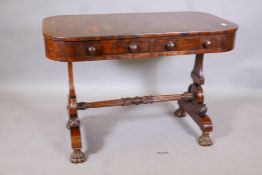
x,y
132,47
170,45
207,44
91,50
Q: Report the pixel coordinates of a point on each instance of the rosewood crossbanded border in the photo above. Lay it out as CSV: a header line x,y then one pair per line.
x,y
75,38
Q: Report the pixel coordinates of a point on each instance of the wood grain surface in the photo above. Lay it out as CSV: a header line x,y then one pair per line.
x,y
130,25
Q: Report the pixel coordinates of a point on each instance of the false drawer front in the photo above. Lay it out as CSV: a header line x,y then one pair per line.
x,y
147,45
138,47
111,47
188,43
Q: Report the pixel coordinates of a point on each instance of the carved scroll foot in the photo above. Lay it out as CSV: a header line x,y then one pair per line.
x,y
205,140
77,156
180,112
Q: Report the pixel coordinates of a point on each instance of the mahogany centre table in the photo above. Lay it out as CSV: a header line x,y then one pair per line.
x,y
74,38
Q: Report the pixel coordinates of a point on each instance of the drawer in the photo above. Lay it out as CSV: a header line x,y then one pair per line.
x,y
111,47
188,43
137,47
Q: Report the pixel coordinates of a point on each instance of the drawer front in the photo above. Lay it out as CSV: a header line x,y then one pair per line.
x,y
91,50
146,45
188,43
111,47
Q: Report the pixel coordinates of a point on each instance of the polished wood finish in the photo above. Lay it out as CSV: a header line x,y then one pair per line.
x,y
133,25
133,101
116,36
72,38
195,107
74,123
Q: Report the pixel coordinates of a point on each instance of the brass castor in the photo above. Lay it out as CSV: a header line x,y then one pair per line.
x,y
205,140
180,112
77,156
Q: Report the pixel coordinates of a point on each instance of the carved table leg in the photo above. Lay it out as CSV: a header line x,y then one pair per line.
x,y
195,107
73,123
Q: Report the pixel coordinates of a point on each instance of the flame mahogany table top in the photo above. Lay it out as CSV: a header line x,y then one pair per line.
x,y
71,38
130,25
